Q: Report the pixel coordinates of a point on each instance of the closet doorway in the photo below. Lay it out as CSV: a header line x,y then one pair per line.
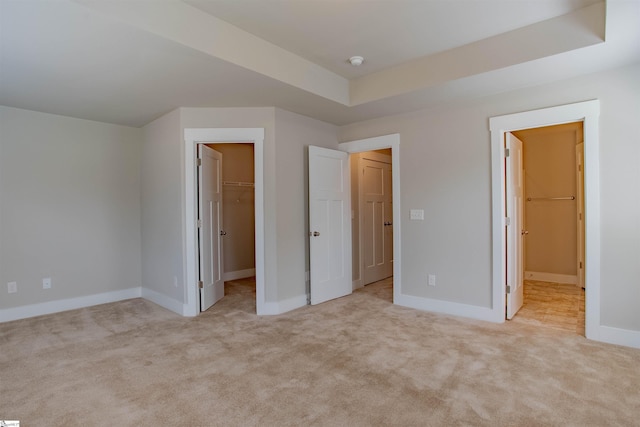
x,y
238,210
552,233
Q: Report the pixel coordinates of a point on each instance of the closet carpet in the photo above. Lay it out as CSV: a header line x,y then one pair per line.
x,y
354,361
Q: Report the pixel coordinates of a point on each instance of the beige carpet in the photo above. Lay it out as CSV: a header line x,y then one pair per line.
x,y
356,361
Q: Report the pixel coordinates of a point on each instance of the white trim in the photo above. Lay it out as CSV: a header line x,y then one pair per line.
x,y
192,137
164,301
50,307
239,274
376,143
445,307
551,277
589,113
618,336
279,307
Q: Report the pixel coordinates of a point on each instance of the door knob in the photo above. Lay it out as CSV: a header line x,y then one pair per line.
x,y
223,233
524,232
314,234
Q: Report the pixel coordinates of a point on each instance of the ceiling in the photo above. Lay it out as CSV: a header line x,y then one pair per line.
x,y
130,61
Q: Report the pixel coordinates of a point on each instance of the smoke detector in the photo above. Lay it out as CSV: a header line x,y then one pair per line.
x,y
356,61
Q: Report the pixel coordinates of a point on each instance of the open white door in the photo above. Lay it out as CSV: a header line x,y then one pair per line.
x,y
330,224
580,212
210,226
515,224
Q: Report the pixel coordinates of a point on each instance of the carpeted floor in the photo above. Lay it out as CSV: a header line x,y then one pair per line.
x,y
355,361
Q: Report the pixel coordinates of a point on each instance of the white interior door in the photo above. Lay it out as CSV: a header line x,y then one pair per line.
x,y
330,224
210,226
377,220
515,224
580,212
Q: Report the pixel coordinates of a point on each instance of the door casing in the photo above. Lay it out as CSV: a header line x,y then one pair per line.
x,y
192,137
588,112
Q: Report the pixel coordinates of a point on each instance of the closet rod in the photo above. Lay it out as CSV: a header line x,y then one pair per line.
x,y
238,184
530,199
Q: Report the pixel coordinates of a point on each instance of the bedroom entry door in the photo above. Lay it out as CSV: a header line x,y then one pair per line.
x,y
210,230
329,224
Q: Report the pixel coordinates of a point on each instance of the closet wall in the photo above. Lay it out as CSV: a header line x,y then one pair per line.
x,y
238,209
550,216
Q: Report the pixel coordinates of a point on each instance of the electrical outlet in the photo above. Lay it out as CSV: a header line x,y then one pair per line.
x,y
416,214
12,287
46,283
432,280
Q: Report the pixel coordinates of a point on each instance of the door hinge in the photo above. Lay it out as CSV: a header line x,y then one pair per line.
x,y
508,289
198,162
579,168
199,223
580,216
507,221
580,264
200,284
506,152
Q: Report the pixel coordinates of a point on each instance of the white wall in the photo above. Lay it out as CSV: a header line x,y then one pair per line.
x,y
294,134
285,195
446,170
161,219
69,210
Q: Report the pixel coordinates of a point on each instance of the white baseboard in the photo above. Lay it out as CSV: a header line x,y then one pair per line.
x,y
551,277
50,307
279,307
451,308
165,301
239,274
611,335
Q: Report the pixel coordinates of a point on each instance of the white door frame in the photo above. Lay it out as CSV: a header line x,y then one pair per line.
x,y
386,141
192,137
588,112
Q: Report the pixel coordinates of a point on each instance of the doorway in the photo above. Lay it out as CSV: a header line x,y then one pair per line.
x,y
587,113
552,230
238,214
330,217
192,138
388,145
372,207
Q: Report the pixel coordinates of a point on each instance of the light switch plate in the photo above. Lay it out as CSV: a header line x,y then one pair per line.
x,y
417,214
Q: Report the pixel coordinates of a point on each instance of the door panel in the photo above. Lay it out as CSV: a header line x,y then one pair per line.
x,y
330,224
210,226
515,230
377,220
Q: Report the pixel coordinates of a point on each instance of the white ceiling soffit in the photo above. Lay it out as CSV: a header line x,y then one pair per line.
x,y
386,32
189,26
129,62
